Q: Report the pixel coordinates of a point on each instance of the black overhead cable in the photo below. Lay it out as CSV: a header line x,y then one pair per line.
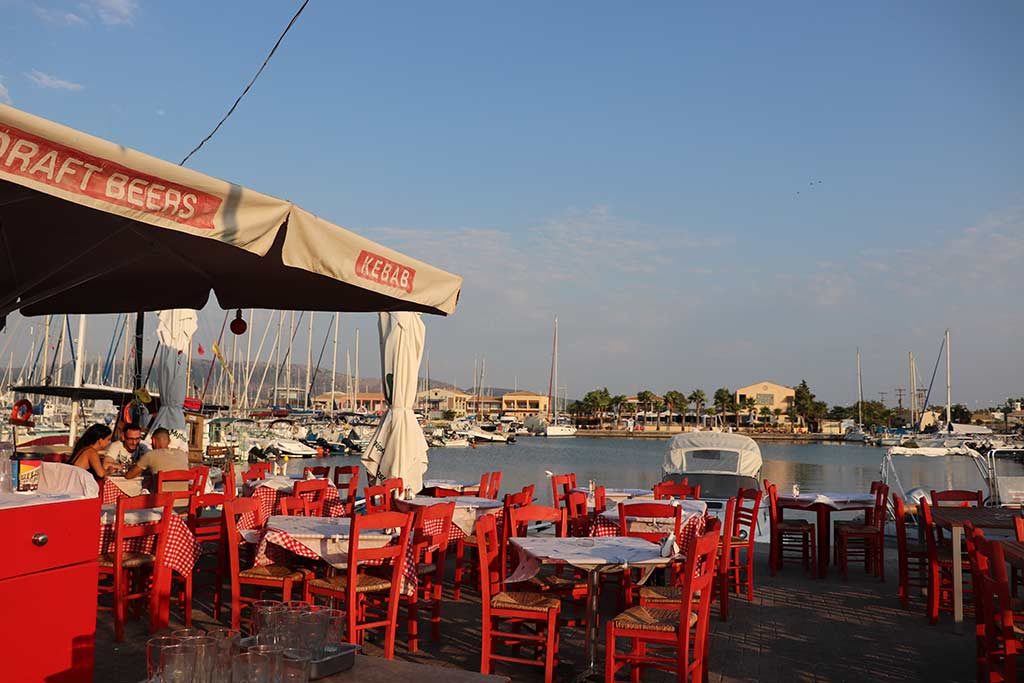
x,y
250,84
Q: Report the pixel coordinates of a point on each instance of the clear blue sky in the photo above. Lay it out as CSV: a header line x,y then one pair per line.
x,y
634,169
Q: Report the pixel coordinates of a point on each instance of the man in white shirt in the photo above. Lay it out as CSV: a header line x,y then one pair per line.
x,y
161,459
130,448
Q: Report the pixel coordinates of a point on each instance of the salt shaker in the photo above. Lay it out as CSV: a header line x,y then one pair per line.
x,y
796,490
408,493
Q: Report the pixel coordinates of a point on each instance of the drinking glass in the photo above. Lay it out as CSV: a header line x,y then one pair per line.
x,y
227,646
267,615
270,636
177,663
297,605
251,667
274,655
313,632
205,657
335,626
289,632
153,648
188,633
297,663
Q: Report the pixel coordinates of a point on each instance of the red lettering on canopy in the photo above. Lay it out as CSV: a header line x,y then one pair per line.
x,y
72,170
384,271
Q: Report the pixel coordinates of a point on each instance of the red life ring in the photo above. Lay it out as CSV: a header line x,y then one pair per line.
x,y
21,413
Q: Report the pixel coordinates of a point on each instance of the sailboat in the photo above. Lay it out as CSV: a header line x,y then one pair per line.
x,y
857,433
554,427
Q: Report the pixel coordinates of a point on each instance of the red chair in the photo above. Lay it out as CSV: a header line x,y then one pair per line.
x,y
561,484
1002,645
668,490
130,572
512,609
319,472
743,532
206,522
466,561
378,498
257,470
431,529
600,500
180,481
664,517
837,523
940,565
789,536
346,480
577,514
370,600
957,498
294,506
865,541
313,491
268,577
230,488
684,626
490,485
910,556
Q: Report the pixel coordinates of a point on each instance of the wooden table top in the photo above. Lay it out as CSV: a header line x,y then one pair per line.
x,y
983,518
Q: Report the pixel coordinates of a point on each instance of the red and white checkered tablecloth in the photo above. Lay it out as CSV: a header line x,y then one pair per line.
x,y
691,527
270,501
110,492
181,551
466,513
272,539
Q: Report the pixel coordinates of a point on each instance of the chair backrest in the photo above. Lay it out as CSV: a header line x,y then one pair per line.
x,y
748,505
520,518
668,490
125,530
900,513
346,480
490,485
186,480
393,553
377,499
879,514
442,492
314,491
1001,644
576,512
257,470
1018,527
773,504
660,512
491,561
978,564
230,490
432,526
317,471
600,500
206,516
236,511
295,506
957,498
202,475
930,531
394,486
696,594
561,484
728,528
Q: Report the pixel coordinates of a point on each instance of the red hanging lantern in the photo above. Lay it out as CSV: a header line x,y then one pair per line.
x,y
238,325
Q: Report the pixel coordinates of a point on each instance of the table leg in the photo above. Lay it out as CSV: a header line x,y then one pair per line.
x,y
824,533
591,626
958,583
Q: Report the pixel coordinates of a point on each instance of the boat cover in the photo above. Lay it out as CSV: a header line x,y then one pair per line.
x,y
712,452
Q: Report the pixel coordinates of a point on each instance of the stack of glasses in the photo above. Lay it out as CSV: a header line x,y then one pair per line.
x,y
192,656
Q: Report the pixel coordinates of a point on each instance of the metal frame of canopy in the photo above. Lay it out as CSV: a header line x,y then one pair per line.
x,y
985,465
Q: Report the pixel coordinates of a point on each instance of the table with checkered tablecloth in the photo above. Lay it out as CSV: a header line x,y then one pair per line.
x,y
113,488
324,538
694,517
468,509
269,493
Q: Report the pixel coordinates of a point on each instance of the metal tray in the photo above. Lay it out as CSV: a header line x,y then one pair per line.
x,y
337,658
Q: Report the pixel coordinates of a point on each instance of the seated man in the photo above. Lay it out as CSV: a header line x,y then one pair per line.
x,y
161,459
130,448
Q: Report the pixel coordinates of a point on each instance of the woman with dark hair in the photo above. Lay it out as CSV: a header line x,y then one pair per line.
x,y
86,453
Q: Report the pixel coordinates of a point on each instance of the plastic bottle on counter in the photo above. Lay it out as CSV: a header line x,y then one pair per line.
x,y
6,474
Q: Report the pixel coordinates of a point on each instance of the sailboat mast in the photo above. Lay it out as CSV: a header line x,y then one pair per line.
x,y
355,396
277,351
334,362
554,371
60,350
79,368
46,350
309,364
949,386
913,392
860,393
348,379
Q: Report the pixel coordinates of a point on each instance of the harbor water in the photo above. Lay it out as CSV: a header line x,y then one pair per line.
x,y
636,463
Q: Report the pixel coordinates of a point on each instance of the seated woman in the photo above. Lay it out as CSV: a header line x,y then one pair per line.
x,y
87,451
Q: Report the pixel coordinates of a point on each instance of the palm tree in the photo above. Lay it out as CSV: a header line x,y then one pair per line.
x,y
766,413
657,405
778,415
749,405
698,399
644,400
615,404
677,401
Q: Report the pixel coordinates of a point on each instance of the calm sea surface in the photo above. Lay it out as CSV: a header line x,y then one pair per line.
x,y
636,463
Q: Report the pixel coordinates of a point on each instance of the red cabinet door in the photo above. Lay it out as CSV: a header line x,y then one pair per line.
x,y
48,627
41,537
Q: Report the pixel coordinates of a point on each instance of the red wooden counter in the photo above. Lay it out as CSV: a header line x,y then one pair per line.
x,y
48,587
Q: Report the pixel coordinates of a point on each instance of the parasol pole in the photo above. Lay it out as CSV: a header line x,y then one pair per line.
x,y
140,329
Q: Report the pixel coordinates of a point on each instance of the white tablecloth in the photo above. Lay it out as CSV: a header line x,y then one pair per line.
x,y
836,500
590,554
279,483
615,496
452,484
467,508
326,536
108,515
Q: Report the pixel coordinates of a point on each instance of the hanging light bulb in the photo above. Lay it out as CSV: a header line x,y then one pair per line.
x,y
238,325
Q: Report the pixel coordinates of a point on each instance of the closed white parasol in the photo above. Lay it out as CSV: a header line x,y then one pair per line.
x,y
174,331
398,449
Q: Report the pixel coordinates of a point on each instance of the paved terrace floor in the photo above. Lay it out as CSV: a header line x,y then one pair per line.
x,y
796,629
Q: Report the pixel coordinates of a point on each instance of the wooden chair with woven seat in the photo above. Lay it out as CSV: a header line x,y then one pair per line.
x,y
179,485
294,506
314,492
379,498
561,485
789,536
130,572
912,557
274,577
837,523
466,557
940,565
206,522
1002,632
865,541
600,500
517,524
657,521
743,533
977,554
668,490
256,471
370,600
490,485
346,480
670,638
514,609
318,471
957,498
577,515
230,479
431,529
